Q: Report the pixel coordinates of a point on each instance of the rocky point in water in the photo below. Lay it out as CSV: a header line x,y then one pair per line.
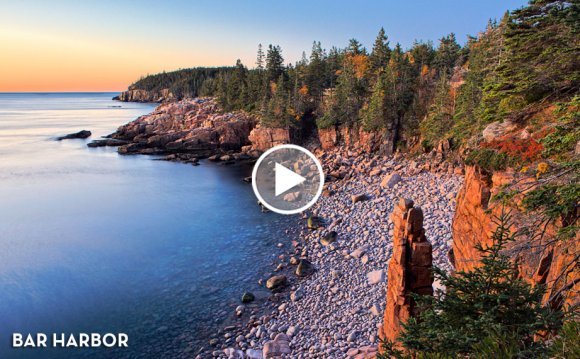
x,y
195,127
81,134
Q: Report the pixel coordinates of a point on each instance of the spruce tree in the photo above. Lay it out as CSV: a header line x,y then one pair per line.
x,y
380,53
316,73
486,311
447,53
260,58
381,108
274,63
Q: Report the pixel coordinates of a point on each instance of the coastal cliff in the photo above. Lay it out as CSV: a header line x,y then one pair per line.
x,y
137,95
541,259
196,126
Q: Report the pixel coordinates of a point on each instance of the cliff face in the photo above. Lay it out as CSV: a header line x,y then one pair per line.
x,y
264,138
195,125
353,137
137,95
409,269
540,260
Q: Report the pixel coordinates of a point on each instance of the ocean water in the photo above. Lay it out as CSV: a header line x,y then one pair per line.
x,y
92,241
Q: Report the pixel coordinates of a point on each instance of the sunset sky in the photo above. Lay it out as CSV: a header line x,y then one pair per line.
x,y
106,45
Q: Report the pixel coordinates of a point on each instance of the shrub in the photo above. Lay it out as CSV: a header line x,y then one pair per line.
x,y
488,159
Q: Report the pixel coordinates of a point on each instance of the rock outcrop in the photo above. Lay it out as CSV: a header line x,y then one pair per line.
x,y
81,134
540,260
410,268
187,126
137,95
355,138
264,138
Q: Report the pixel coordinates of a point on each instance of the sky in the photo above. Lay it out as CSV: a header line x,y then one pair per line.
x,y
106,45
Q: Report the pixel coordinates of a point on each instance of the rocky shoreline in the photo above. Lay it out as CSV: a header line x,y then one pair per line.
x,y
326,294
336,310
186,130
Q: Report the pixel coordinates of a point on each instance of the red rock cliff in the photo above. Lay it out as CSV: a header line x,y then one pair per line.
x,y
540,260
264,138
352,137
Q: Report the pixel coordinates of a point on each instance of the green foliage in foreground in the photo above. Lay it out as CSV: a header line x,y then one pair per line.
x,y
488,159
566,133
486,312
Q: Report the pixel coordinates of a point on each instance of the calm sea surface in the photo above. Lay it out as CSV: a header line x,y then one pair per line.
x,y
91,241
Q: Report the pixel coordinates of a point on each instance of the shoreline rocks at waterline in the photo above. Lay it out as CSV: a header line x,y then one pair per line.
x,y
76,135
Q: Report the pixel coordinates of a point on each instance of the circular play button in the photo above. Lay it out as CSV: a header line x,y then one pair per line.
x,y
287,179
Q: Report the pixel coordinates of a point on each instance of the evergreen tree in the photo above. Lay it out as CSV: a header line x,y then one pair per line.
x,y
542,59
447,53
345,101
440,118
316,80
423,54
276,112
355,47
274,63
483,312
381,107
260,58
485,55
334,63
380,53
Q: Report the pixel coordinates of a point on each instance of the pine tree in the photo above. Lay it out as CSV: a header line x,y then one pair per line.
x,y
316,73
260,58
274,63
345,101
380,53
440,117
447,53
276,112
355,47
542,46
381,107
483,312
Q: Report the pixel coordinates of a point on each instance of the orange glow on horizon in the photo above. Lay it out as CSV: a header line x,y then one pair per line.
x,y
33,62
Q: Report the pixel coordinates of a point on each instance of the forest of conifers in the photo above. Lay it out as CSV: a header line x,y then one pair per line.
x,y
513,67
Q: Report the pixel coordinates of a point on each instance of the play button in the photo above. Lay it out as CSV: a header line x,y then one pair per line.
x,y
287,179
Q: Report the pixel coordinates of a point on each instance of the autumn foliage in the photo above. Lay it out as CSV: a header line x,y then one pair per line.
x,y
526,149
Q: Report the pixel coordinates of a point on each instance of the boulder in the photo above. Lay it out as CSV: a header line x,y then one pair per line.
x,y
80,134
277,282
297,294
264,138
305,268
359,198
376,276
329,238
314,222
107,142
391,180
497,129
277,348
248,297
254,354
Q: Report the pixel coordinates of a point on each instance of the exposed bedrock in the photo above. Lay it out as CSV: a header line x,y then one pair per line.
x,y
191,126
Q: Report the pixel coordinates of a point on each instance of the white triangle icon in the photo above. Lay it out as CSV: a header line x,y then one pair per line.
x,y
286,179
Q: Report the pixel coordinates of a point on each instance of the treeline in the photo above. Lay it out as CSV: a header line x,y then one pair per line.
x,y
181,83
428,92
